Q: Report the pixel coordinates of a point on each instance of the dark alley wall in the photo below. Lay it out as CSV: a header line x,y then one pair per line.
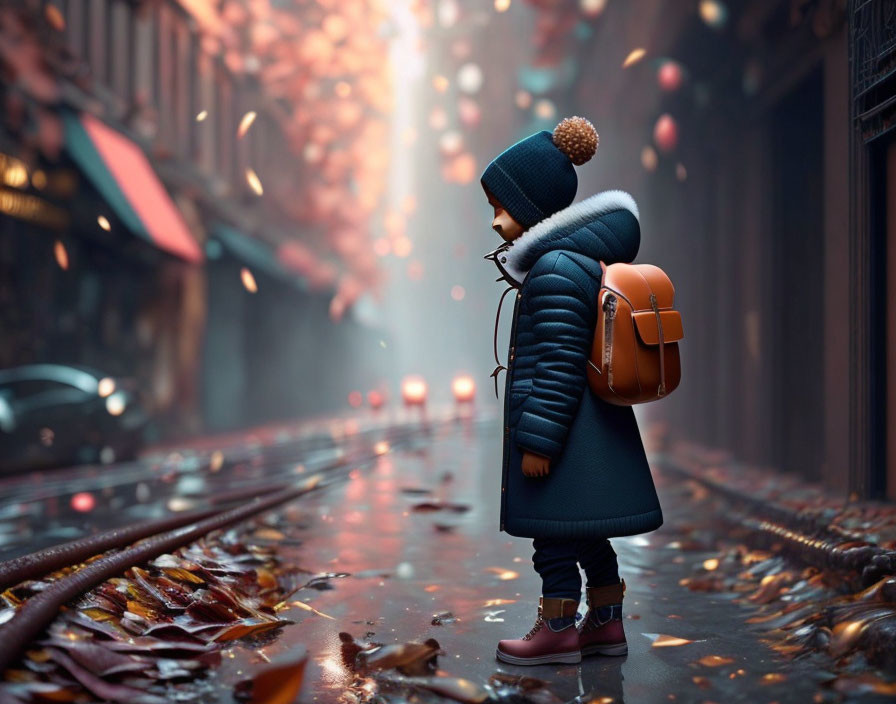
x,y
756,241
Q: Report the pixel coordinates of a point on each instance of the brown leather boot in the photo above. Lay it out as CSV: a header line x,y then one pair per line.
x,y
601,632
542,644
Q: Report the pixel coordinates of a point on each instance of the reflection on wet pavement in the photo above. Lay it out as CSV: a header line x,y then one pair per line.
x,y
391,583
449,574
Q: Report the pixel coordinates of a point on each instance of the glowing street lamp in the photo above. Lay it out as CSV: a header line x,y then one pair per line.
x,y
464,388
413,391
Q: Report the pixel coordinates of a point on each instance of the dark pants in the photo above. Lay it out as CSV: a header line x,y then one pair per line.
x,y
555,560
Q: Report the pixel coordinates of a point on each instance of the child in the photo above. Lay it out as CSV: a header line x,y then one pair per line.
x,y
574,468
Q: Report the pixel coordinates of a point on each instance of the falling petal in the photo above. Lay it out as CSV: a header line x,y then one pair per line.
x,y
202,115
104,223
245,124
254,182
248,280
54,17
710,564
59,250
634,56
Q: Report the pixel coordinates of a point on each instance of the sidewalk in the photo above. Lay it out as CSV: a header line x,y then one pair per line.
x,y
843,601
810,523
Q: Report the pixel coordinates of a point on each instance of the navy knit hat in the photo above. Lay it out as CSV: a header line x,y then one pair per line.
x,y
535,178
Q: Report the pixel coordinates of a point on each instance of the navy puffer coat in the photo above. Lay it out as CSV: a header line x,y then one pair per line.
x,y
599,484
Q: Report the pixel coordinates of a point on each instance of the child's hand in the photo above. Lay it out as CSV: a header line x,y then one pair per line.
x,y
535,465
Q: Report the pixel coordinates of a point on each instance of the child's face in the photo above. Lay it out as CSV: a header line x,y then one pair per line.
x,y
503,224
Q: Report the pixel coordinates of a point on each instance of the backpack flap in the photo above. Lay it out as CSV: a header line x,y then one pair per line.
x,y
645,324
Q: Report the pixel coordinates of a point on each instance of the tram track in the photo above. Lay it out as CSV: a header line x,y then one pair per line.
x,y
135,545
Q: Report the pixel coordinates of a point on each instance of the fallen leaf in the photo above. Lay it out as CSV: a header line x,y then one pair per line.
x,y
279,682
661,640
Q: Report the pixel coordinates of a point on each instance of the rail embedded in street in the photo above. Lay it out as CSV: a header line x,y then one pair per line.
x,y
36,613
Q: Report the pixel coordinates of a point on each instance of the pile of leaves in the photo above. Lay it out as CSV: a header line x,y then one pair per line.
x,y
148,636
802,611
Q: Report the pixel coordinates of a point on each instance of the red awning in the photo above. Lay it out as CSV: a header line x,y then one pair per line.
x,y
158,216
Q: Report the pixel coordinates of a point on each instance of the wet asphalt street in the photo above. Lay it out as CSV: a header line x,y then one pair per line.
x,y
413,535
408,565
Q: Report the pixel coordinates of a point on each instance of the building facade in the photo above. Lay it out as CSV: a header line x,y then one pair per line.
x,y
88,280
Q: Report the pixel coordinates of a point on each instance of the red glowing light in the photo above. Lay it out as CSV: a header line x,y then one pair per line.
x,y
665,133
83,502
375,399
669,76
355,399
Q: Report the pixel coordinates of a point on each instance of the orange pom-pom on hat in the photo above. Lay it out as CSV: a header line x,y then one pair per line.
x,y
576,137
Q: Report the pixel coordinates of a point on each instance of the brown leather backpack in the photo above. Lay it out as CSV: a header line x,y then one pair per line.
x,y
634,356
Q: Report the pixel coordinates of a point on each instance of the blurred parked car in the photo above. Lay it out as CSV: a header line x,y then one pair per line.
x,y
57,414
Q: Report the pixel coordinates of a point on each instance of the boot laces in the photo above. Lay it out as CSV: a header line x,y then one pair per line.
x,y
539,622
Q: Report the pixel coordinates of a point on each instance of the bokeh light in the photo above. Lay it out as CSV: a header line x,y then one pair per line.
x,y
83,502
649,159
469,78
669,76
665,133
463,387
413,390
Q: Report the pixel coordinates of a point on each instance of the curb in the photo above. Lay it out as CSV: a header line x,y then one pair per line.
x,y
808,538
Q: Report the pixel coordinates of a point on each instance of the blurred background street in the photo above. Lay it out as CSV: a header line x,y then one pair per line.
x,y
241,255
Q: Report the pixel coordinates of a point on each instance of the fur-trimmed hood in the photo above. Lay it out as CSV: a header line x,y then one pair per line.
x,y
604,226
